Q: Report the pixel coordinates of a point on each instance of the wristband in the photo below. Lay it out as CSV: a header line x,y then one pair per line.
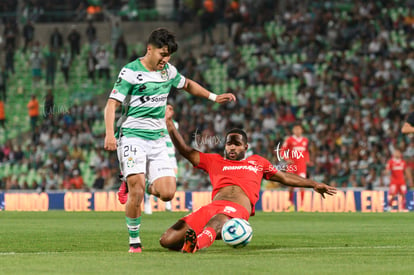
x,y
212,97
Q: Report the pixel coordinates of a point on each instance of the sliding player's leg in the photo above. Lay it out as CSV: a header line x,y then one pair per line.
x,y
211,231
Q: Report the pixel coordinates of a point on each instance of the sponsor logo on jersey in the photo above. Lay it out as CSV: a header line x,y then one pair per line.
x,y
243,167
142,88
159,99
229,209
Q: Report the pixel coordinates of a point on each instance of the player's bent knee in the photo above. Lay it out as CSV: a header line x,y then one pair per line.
x,y
164,240
167,196
168,241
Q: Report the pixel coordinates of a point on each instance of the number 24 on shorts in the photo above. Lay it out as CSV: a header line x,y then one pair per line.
x,y
128,149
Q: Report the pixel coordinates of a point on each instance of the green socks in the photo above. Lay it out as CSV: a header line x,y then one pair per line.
x,y
133,225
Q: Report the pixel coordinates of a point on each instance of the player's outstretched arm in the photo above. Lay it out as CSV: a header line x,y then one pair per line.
x,y
186,151
109,116
197,90
296,181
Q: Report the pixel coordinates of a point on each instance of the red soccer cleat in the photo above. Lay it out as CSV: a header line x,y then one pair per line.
x,y
135,249
190,242
123,193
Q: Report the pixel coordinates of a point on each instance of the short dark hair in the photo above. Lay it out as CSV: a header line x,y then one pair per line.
x,y
162,37
297,123
238,131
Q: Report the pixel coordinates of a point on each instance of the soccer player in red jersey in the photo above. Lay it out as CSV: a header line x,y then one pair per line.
x,y
408,126
295,152
236,184
396,166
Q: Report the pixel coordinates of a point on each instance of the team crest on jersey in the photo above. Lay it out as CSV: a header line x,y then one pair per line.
x,y
130,162
114,91
164,74
252,162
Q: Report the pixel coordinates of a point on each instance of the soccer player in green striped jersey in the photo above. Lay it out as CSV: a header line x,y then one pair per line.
x,y
142,88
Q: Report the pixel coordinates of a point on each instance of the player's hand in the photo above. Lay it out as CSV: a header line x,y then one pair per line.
x,y
225,98
110,143
323,189
169,112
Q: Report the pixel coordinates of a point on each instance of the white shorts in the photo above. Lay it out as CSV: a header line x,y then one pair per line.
x,y
141,156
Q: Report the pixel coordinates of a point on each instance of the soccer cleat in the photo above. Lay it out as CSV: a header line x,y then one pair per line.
x,y
190,242
133,249
123,193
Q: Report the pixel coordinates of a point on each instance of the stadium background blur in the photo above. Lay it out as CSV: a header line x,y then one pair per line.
x,y
344,69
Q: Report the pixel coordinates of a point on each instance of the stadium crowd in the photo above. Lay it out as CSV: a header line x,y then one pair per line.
x,y
353,62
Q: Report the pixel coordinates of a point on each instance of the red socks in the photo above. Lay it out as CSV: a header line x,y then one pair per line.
x,y
206,238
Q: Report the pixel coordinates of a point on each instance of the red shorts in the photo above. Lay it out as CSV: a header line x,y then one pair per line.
x,y
198,219
398,189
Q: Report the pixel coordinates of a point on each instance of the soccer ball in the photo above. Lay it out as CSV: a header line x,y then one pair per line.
x,y
237,232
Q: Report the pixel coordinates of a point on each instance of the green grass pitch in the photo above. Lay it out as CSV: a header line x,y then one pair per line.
x,y
58,242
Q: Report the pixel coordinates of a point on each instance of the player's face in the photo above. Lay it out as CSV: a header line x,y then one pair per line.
x,y
397,154
235,148
297,131
158,57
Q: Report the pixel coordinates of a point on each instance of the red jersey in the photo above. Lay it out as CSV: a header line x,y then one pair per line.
x,y
296,149
247,173
397,167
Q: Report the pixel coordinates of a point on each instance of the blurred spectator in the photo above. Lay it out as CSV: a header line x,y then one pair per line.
x,y
49,104
3,83
207,21
2,115
99,182
77,154
102,58
116,32
74,39
91,63
65,63
51,64
9,59
10,31
52,183
233,19
76,180
90,32
36,62
33,109
28,35
56,40
66,183
120,53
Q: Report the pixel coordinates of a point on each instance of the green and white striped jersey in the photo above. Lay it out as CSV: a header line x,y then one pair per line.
x,y
143,95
